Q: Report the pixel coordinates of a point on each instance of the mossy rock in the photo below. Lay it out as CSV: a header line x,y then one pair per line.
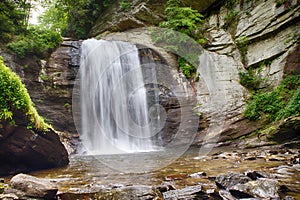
x,y
14,99
284,131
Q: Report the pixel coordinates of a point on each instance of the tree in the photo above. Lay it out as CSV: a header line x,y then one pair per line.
x,y
13,18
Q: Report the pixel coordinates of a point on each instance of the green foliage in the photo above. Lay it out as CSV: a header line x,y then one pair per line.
x,y
280,103
125,4
187,69
106,3
242,44
280,2
189,22
250,79
183,19
74,18
230,4
12,18
14,96
54,18
230,17
35,41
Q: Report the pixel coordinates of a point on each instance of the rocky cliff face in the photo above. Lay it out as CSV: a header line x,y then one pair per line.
x,y
271,36
263,35
24,150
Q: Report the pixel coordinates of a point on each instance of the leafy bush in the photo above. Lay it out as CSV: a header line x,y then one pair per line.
x,y
187,69
242,44
14,96
125,4
183,19
12,19
189,22
250,79
35,41
282,102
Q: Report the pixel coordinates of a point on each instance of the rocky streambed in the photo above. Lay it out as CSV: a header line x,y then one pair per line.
x,y
268,172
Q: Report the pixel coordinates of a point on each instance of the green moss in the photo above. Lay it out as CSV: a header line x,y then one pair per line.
x,y
14,96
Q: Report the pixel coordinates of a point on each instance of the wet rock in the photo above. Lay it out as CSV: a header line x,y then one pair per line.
x,y
225,195
165,187
254,175
127,192
197,175
33,187
231,179
191,192
295,160
275,158
213,194
288,130
289,198
8,196
250,158
24,150
176,177
54,100
262,188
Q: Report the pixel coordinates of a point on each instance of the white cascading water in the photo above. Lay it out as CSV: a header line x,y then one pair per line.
x,y
114,112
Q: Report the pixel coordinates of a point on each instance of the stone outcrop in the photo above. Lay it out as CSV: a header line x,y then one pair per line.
x,y
270,34
140,14
24,150
57,79
50,83
25,187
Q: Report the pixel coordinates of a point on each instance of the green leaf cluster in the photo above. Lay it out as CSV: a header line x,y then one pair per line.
x,y
250,79
73,18
189,22
125,4
183,19
187,69
12,18
280,103
35,41
14,96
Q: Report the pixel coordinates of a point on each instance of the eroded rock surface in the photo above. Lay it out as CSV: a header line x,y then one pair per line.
x,y
24,150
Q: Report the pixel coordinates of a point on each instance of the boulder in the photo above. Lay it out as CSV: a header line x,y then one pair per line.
x,y
24,150
262,188
228,180
33,187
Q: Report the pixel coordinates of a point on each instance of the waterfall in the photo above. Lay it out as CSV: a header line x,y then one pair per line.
x,y
114,110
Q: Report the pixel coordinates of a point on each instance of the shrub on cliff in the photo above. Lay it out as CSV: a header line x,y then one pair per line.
x,y
14,97
277,104
35,41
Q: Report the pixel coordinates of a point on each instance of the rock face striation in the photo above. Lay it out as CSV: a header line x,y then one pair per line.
x,y
140,14
262,35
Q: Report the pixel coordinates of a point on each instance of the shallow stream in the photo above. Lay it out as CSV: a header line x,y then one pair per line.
x,y
89,171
